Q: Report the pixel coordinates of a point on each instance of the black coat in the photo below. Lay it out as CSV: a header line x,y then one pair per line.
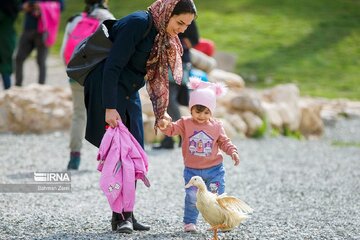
x,y
115,82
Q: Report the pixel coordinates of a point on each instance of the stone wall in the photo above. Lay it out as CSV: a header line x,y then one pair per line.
x,y
43,108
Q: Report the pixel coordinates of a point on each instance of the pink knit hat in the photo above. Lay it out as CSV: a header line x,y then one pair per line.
x,y
205,93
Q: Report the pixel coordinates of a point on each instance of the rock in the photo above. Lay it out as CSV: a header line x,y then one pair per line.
x,y
273,115
36,109
238,123
202,61
248,101
220,112
231,80
230,130
286,98
252,121
146,102
290,115
311,122
282,93
3,113
225,61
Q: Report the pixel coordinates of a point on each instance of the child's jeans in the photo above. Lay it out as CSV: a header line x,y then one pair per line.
x,y
214,179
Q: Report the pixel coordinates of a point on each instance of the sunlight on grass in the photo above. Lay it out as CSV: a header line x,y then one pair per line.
x,y
345,144
314,44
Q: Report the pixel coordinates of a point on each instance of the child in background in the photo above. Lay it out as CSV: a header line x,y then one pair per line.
x,y
203,138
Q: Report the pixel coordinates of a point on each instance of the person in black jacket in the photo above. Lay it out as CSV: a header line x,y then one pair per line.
x,y
112,87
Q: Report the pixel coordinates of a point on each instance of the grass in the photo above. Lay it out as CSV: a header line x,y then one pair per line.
x,y
315,44
345,144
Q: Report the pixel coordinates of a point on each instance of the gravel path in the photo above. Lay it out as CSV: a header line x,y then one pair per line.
x,y
299,189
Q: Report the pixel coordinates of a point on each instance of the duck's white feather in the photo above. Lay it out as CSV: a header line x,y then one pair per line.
x,y
223,210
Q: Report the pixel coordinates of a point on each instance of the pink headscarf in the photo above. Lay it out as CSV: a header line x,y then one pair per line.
x,y
166,52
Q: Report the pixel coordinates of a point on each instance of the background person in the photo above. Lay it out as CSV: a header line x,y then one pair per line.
x,y
32,38
8,13
97,9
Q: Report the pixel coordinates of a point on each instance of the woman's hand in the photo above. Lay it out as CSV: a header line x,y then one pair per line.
x,y
111,117
163,123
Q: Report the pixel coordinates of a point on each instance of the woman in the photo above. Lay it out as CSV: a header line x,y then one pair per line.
x,y
99,10
111,89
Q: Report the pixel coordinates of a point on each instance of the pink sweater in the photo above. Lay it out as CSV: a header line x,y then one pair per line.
x,y
201,142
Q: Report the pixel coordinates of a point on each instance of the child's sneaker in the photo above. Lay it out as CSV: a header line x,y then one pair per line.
x,y
190,227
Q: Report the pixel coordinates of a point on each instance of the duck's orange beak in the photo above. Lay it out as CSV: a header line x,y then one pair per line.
x,y
189,184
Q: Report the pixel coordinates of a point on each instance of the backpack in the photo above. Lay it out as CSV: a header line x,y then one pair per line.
x,y
84,28
94,49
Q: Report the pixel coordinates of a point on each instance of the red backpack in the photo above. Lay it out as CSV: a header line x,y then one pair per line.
x,y
84,28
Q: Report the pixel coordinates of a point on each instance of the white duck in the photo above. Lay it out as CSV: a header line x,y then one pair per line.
x,y
220,211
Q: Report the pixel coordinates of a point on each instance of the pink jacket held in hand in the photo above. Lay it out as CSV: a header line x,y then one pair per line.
x,y
122,161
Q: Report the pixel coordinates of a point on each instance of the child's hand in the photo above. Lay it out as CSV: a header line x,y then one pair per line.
x,y
167,117
235,158
163,123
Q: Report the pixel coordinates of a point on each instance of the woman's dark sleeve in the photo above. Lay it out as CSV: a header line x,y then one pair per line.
x,y
127,34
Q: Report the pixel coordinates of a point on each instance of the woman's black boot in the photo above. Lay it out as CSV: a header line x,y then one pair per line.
x,y
138,226
115,220
126,225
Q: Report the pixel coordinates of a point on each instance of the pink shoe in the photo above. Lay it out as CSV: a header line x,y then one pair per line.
x,y
190,227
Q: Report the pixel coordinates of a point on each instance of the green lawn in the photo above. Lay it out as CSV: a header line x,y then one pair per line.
x,y
315,44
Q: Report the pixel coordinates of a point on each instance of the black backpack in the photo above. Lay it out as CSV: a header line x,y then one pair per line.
x,y
92,50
